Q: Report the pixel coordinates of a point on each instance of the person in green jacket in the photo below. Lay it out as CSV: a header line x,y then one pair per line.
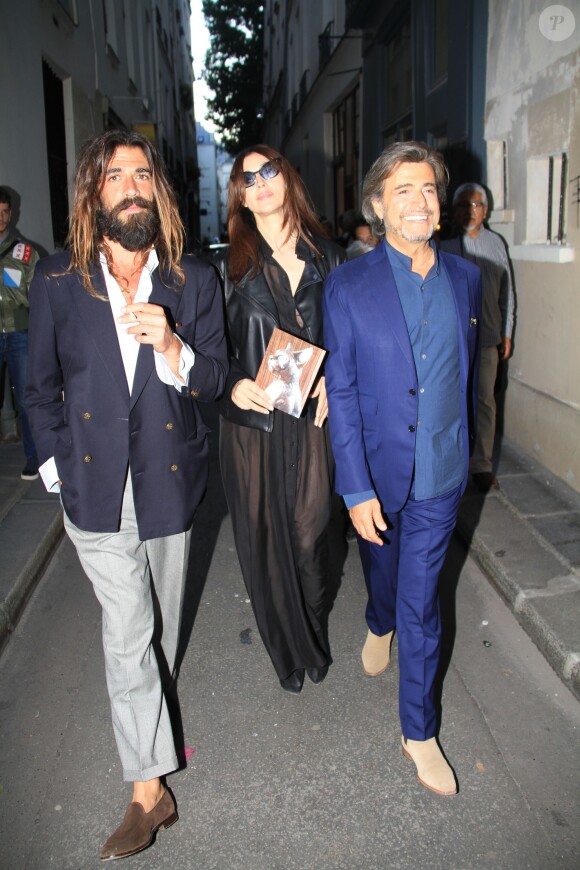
x,y
17,262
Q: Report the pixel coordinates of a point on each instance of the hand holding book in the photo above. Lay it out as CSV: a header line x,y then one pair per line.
x,y
248,396
288,371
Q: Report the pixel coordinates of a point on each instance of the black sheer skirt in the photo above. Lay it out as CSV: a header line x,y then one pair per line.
x,y
278,487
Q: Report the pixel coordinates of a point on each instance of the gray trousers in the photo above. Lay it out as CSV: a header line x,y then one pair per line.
x,y
481,459
122,570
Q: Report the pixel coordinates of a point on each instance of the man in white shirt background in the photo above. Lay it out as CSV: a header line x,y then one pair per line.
x,y
488,251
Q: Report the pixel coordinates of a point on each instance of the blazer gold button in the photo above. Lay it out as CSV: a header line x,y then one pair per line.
x,y
87,415
87,458
169,425
174,467
194,393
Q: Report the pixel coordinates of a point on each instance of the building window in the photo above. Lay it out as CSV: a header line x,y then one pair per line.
x,y
129,44
345,134
439,140
399,78
70,7
557,184
325,45
110,26
402,131
546,199
440,62
54,114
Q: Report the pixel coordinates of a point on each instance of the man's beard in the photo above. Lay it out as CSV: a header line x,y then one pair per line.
x,y
422,233
136,232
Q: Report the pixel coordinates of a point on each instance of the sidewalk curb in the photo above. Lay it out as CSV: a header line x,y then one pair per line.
x,y
25,583
563,661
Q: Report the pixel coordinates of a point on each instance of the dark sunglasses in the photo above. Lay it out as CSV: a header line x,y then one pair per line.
x,y
267,171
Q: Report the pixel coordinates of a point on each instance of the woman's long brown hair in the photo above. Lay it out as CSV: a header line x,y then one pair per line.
x,y
83,239
245,251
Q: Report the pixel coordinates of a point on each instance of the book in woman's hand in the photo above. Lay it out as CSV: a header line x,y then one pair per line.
x,y
288,371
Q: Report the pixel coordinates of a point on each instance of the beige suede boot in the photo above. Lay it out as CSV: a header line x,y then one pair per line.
x,y
432,770
376,654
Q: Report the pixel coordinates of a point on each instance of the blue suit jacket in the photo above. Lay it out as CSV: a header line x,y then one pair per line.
x,y
371,379
81,412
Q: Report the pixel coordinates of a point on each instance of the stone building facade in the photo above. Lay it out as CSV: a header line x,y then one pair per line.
x,y
494,85
73,68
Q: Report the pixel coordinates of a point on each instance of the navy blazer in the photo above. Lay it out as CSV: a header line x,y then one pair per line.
x,y
371,379
81,412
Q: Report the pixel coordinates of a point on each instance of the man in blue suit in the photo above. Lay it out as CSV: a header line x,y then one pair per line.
x,y
402,332
125,335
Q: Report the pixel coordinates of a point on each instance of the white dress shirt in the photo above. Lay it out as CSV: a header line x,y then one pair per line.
x,y
129,347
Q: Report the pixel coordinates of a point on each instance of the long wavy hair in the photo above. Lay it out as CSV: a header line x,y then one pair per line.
x,y
300,219
83,239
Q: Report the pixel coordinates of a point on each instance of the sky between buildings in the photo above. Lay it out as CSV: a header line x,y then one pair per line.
x,y
199,46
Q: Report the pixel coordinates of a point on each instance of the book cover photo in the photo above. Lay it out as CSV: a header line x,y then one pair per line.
x,y
288,371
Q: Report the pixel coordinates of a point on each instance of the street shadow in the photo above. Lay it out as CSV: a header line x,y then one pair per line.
x,y
469,515
206,529
337,555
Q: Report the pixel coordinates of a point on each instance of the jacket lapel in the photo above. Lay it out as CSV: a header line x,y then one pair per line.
x,y
380,295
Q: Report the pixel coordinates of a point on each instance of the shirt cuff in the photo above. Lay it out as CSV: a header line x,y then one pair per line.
x,y
163,369
352,499
50,476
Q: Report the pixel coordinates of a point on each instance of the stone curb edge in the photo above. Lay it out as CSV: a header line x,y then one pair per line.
x,y
25,583
559,657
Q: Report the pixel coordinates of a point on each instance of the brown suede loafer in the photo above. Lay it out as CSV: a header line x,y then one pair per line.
x,y
138,828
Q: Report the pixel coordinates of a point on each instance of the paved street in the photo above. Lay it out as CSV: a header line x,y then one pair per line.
x,y
274,781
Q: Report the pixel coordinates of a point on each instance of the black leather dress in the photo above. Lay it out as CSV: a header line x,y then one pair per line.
x,y
278,471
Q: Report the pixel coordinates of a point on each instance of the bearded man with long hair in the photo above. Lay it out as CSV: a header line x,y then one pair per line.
x,y
126,335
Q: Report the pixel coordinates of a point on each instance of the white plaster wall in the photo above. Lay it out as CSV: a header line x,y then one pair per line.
x,y
533,103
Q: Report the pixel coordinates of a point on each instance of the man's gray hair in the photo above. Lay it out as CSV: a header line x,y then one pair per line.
x,y
387,163
468,187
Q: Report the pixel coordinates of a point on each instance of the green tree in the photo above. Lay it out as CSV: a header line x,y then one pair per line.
x,y
234,69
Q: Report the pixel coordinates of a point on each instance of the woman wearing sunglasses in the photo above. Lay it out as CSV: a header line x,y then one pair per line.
x,y
277,469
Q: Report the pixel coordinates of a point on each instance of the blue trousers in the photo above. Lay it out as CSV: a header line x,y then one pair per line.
x,y
402,579
14,349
